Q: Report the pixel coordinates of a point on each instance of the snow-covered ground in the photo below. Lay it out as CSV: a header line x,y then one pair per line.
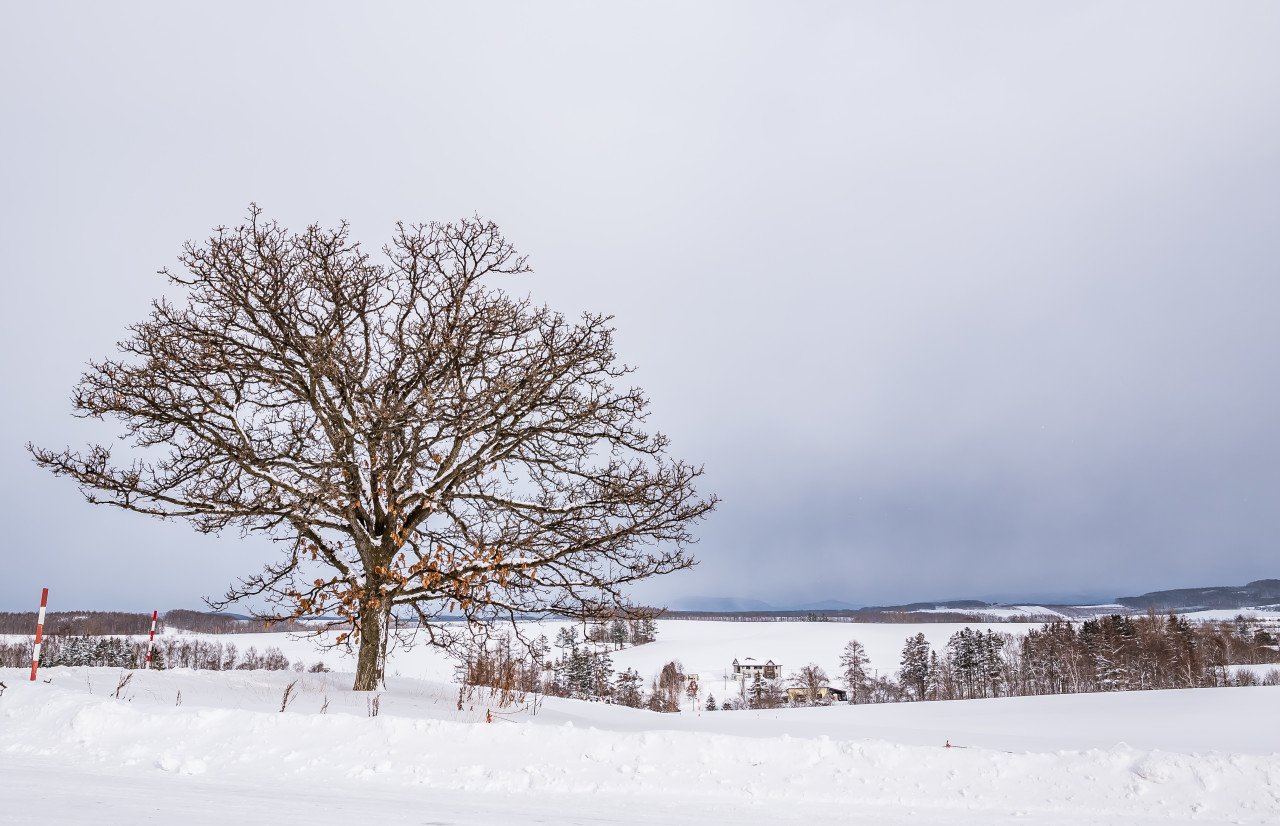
x,y
1258,671
705,648
1006,612
71,752
1269,613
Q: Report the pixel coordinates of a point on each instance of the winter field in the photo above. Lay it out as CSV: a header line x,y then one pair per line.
x,y
72,752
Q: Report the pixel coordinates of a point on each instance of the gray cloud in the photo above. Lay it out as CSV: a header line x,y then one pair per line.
x,y
949,301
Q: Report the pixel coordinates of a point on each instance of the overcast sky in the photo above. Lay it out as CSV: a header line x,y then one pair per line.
x,y
952,300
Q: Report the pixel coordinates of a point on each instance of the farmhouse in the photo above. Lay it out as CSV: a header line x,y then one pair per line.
x,y
826,694
748,668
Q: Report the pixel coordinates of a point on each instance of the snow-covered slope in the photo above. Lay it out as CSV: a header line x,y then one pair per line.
x,y
213,747
70,752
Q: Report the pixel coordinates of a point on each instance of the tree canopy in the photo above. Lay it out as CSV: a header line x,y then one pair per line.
x,y
414,436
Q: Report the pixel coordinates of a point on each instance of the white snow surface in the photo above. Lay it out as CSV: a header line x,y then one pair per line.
x,y
1266,613
705,648
71,752
1007,612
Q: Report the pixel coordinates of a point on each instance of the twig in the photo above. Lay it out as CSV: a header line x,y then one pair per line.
x,y
288,696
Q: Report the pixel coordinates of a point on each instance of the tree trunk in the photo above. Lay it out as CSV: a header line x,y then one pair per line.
x,y
370,659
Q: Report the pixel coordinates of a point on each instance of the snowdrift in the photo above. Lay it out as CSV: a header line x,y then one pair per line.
x,y
72,752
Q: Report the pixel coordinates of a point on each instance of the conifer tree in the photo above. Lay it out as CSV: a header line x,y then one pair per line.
x,y
914,666
618,633
601,672
627,689
567,639
853,666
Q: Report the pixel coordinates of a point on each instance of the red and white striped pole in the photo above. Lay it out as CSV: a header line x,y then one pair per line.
x,y
151,641
35,652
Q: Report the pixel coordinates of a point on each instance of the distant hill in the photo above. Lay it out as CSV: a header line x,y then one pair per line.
x,y
1261,593
949,604
1256,594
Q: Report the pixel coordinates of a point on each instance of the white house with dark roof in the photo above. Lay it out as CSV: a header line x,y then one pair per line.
x,y
747,669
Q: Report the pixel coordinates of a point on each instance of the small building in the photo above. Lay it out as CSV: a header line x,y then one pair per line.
x,y
826,694
749,667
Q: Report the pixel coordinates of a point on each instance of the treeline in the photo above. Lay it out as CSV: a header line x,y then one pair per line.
x,y
93,623
206,622
119,652
1113,653
114,623
582,667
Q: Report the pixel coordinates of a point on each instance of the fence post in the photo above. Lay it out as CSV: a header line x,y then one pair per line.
x,y
35,652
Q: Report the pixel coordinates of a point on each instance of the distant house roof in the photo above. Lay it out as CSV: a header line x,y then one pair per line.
x,y
823,691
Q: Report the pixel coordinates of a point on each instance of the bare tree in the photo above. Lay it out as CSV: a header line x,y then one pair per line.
x,y
410,433
812,679
667,687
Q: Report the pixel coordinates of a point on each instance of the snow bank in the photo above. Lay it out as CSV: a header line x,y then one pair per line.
x,y
423,760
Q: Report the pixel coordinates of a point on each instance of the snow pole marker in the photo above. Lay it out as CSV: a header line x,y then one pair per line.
x,y
35,652
152,640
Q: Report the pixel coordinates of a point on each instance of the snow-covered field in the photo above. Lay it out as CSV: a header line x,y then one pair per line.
x,y
71,752
1270,614
705,648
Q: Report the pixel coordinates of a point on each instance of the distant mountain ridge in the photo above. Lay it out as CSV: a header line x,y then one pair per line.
x,y
1255,594
949,604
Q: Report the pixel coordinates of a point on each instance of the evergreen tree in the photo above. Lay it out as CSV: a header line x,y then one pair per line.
x,y
853,665
601,672
711,702
756,694
764,693
993,663
914,670
567,639
618,633
627,689
81,650
934,689
579,673
965,658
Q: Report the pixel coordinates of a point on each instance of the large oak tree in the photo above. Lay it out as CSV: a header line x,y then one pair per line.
x,y
418,439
